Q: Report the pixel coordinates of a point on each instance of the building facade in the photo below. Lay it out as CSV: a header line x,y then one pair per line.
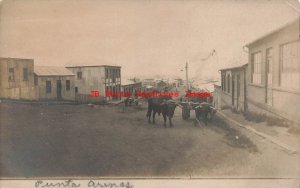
x,y
16,79
274,73
132,88
232,92
54,83
92,82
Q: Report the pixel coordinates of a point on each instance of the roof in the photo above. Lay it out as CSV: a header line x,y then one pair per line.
x,y
76,66
129,82
149,79
52,71
274,31
236,67
11,58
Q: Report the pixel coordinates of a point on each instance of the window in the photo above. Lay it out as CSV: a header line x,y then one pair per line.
x,y
269,65
256,68
238,79
228,83
76,89
11,74
79,75
290,65
224,82
106,73
35,80
25,74
68,85
48,86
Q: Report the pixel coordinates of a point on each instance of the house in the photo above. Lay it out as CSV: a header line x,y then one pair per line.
x,y
274,73
20,79
54,83
233,88
93,81
16,78
132,87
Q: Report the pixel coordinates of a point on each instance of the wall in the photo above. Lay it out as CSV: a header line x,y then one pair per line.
x,y
66,95
285,102
225,98
93,78
132,88
19,88
239,101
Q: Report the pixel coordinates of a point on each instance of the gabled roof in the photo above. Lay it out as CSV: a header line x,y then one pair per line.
x,y
12,58
76,66
52,71
129,82
236,67
273,32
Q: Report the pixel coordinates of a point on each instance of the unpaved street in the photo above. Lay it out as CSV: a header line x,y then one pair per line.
x,y
79,140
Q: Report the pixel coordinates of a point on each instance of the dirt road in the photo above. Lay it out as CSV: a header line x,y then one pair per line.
x,y
79,140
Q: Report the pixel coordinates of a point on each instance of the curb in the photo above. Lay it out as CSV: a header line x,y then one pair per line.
x,y
289,149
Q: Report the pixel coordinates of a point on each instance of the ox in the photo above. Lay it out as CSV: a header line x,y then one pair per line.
x,y
162,105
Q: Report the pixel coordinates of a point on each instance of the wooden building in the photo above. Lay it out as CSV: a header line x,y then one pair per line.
x,y
54,83
274,73
97,79
16,79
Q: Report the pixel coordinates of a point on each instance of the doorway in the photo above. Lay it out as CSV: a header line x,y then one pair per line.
x,y
269,78
58,90
233,85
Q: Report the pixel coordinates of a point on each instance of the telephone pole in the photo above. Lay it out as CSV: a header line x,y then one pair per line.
x,y
187,77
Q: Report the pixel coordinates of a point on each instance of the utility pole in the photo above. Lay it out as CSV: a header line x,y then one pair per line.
x,y
187,77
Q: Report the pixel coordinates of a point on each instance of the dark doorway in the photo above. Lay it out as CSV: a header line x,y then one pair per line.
x,y
238,88
58,90
233,89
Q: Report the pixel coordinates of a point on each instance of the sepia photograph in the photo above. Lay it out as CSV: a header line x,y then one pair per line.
x,y
149,93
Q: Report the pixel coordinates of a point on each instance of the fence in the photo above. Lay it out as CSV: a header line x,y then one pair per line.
x,y
83,98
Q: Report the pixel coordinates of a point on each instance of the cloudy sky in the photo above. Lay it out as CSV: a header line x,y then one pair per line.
x,y
145,37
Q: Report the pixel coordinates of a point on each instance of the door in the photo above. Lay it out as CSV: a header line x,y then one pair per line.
x,y
269,70
233,85
58,90
238,87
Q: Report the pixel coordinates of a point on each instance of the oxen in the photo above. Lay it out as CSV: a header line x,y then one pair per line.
x,y
205,111
161,105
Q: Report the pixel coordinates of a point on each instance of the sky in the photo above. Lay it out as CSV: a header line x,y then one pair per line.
x,y
146,37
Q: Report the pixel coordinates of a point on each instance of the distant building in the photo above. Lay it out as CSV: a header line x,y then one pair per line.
x,y
233,88
274,73
54,83
149,82
161,85
132,87
176,83
16,78
96,79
